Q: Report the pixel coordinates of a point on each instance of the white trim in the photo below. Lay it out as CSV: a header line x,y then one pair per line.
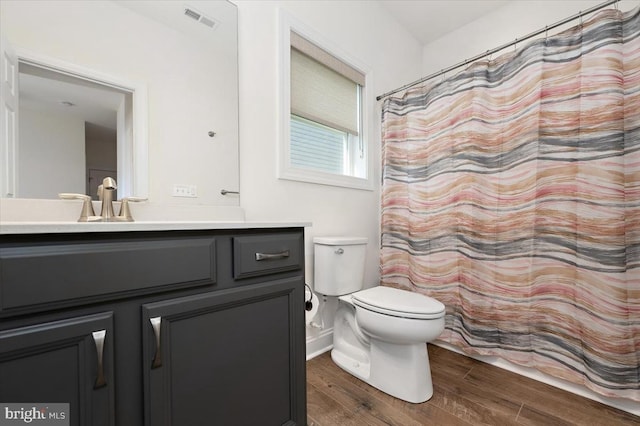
x,y
140,148
318,343
288,23
124,160
136,181
314,176
9,93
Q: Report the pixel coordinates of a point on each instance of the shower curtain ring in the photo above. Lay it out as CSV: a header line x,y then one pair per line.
x,y
546,33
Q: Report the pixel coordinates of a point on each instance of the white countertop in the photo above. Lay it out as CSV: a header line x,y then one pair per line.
x,y
29,216
76,227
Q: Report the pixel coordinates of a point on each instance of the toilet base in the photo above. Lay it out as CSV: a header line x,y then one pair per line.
x,y
401,371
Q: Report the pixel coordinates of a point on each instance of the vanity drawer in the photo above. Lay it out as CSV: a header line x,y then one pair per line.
x,y
67,273
267,254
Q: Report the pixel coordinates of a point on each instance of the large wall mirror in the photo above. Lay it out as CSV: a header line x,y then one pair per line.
x,y
143,91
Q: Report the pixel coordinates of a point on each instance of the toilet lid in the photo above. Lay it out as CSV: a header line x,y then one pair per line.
x,y
340,241
400,303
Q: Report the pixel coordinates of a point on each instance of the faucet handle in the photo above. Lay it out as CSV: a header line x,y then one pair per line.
x,y
125,212
87,214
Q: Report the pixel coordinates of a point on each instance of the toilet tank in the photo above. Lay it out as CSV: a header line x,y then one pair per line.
x,y
339,265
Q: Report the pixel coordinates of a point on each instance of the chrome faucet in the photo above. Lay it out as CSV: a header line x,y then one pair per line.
x,y
106,193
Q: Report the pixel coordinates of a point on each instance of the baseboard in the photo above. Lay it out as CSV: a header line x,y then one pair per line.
x,y
318,341
621,404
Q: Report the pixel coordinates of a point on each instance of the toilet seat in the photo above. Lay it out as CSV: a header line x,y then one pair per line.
x,y
398,303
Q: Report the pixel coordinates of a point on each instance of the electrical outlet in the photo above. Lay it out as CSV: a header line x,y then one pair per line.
x,y
185,191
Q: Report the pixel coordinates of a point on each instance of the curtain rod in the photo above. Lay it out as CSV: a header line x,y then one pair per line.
x,y
497,49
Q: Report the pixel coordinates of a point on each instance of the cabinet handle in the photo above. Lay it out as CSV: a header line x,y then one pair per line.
x,y
272,256
156,323
98,339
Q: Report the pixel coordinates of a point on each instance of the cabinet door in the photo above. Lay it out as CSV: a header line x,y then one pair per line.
x,y
67,361
233,357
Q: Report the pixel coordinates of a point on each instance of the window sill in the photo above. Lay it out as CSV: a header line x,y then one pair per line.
x,y
320,178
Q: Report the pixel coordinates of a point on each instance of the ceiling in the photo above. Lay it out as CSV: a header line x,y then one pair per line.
x,y
428,20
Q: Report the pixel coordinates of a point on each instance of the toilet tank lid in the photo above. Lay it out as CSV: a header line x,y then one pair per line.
x,y
340,241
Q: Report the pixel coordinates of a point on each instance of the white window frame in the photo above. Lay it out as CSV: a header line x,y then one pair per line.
x,y
285,169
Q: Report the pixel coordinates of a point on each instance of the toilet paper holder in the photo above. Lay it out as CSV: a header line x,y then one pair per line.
x,y
308,304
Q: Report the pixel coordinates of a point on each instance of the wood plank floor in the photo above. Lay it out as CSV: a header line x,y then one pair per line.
x,y
466,392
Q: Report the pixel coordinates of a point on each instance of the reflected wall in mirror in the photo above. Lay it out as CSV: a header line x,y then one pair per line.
x,y
73,128
159,77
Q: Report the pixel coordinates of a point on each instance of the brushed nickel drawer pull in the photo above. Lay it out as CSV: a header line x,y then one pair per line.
x,y
156,323
98,339
272,256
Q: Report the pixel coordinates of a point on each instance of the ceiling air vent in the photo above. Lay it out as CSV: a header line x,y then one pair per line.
x,y
192,14
197,16
208,22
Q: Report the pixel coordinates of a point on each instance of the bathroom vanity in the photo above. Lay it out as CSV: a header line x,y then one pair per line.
x,y
156,324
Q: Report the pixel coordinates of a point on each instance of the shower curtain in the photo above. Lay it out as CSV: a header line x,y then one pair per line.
x,y
511,193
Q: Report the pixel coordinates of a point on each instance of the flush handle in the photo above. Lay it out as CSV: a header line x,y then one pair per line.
x,y
339,251
156,323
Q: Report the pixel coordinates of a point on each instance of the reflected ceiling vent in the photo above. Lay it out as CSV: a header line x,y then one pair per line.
x,y
197,16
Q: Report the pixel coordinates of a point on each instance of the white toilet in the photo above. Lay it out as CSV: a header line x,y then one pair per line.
x,y
379,334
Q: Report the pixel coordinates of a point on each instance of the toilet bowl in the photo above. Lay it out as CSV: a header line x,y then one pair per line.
x,y
380,333
398,316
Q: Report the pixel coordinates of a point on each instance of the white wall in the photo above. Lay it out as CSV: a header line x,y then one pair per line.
x,y
365,32
503,25
51,154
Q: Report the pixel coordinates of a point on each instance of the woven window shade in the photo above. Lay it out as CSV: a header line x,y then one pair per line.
x,y
323,88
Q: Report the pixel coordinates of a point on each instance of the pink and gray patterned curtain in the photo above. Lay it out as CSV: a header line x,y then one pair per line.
x,y
511,193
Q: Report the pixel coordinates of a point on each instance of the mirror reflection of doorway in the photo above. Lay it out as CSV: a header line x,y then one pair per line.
x,y
101,154
67,124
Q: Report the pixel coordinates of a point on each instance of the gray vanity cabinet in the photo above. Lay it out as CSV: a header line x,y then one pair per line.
x,y
199,327
67,361
240,372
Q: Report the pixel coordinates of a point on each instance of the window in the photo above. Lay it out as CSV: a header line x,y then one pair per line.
x,y
324,136
318,147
